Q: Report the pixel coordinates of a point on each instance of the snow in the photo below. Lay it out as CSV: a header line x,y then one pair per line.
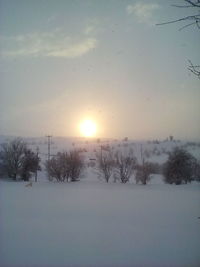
x,y
91,223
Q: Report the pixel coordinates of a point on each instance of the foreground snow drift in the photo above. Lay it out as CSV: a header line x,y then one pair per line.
x,y
98,224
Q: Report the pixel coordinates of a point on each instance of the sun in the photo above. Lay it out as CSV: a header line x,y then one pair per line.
x,y
88,128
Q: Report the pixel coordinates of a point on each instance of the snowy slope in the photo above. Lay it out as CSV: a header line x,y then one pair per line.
x,y
155,151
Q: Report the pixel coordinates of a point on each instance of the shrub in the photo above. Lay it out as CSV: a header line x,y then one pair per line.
x,y
58,167
65,166
196,170
105,164
179,167
16,161
124,166
30,164
76,165
143,172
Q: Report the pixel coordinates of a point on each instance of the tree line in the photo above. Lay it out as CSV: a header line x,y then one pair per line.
x,y
18,162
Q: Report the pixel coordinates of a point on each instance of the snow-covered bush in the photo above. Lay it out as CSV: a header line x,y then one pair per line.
x,y
179,167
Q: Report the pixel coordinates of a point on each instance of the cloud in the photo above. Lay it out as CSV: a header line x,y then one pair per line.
x,y
93,26
89,29
143,11
75,50
46,44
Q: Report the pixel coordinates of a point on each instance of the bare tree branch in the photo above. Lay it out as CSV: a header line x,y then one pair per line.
x,y
187,26
184,6
193,17
195,20
193,3
194,69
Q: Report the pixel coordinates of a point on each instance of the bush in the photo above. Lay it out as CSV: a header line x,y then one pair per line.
x,y
124,166
179,167
30,164
196,170
105,164
143,172
58,167
65,166
11,158
17,161
76,165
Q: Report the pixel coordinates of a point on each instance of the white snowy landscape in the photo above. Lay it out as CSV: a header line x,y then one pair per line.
x,y
94,223
99,133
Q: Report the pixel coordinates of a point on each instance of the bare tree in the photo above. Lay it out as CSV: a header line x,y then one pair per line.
x,y
11,157
58,167
144,170
53,169
76,165
105,164
30,164
188,21
65,166
124,166
18,161
143,173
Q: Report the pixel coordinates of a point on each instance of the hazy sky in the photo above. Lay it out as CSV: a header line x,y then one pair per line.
x,y
65,60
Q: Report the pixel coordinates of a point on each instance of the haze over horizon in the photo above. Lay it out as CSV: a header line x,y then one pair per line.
x,y
62,62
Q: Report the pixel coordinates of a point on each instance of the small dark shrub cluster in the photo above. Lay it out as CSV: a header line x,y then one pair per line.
x,y
120,166
180,167
17,161
124,166
65,166
196,170
105,164
144,171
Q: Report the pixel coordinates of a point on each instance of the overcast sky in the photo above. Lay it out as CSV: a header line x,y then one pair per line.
x,y
65,60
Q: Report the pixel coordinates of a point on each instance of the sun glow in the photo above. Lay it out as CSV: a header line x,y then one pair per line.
x,y
88,128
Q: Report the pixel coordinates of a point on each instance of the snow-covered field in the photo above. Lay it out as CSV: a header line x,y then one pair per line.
x,y
98,224
92,223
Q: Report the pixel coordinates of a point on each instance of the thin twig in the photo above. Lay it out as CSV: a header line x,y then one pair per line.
x,y
181,6
190,24
197,4
196,17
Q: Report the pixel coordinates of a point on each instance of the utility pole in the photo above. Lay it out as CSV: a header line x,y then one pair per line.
x,y
49,145
142,157
37,152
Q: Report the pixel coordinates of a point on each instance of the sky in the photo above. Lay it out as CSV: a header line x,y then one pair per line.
x,y
68,60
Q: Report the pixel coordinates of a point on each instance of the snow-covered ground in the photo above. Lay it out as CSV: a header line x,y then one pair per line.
x,y
92,223
97,224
